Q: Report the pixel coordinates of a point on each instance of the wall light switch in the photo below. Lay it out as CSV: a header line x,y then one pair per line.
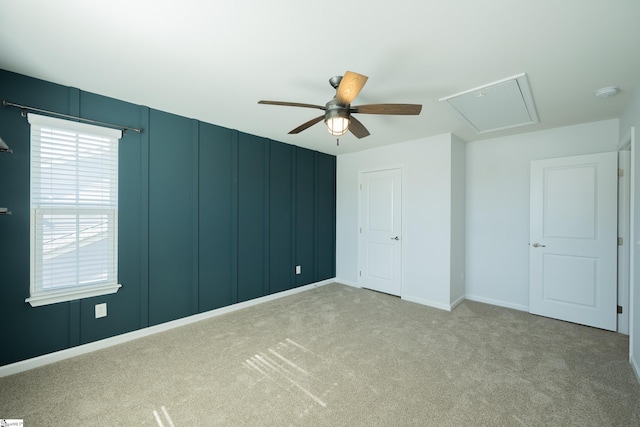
x,y
298,269
101,310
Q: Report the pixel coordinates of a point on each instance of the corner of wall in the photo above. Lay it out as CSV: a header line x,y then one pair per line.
x,y
457,265
428,302
635,365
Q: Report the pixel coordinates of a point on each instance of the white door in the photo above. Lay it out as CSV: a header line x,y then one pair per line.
x,y
380,231
573,239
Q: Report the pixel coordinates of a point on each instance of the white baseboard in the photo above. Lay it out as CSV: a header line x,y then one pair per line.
x,y
47,359
635,365
347,283
499,303
457,302
429,303
410,298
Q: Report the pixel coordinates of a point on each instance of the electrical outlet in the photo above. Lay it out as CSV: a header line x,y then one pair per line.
x,y
298,269
101,310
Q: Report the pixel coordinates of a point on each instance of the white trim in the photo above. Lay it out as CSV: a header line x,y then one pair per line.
x,y
44,298
348,283
379,169
75,126
624,220
429,303
633,237
409,298
625,141
499,303
46,359
361,174
457,302
635,367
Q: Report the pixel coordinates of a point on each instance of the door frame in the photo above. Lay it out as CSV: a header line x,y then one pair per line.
x,y
361,172
627,143
624,222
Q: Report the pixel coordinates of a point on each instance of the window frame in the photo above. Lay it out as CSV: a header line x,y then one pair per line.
x,y
40,211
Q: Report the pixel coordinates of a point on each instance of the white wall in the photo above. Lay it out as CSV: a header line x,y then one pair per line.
x,y
497,205
458,238
631,118
426,215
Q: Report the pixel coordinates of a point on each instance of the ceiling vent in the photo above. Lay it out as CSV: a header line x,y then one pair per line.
x,y
500,105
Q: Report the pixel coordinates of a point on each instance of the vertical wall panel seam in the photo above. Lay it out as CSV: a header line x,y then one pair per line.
x,y
316,216
294,201
334,215
234,215
267,218
145,121
294,171
269,256
195,218
268,226
74,323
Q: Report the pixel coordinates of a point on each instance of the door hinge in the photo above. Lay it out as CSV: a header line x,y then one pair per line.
x,y
360,230
620,241
620,173
619,309
360,187
360,273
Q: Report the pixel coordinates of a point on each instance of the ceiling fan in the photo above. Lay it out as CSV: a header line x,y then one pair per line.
x,y
338,112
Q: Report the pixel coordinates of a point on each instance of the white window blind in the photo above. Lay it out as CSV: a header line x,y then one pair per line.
x,y
74,210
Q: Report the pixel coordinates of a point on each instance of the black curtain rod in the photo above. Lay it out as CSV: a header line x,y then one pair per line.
x,y
66,116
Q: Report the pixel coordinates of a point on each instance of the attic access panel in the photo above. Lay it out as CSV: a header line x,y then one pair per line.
x,y
500,105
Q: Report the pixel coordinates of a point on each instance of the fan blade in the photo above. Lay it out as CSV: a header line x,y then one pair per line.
x,y
292,104
307,125
357,128
350,86
392,109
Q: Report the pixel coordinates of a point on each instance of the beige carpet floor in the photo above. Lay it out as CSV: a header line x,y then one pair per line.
x,y
340,356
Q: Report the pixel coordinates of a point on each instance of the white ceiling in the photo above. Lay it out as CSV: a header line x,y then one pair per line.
x,y
213,60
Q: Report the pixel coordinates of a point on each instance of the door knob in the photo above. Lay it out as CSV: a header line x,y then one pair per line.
x,y
538,245
395,238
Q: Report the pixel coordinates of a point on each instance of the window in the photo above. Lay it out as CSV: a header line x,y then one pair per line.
x,y
74,210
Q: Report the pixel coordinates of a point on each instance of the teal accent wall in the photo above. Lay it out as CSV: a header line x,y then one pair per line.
x,y
305,194
218,217
253,216
281,217
171,218
208,217
325,219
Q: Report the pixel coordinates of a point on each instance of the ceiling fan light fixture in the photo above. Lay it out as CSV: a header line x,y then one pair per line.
x,y
337,126
337,119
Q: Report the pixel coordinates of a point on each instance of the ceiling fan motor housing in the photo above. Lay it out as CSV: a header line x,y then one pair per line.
x,y
334,109
336,117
